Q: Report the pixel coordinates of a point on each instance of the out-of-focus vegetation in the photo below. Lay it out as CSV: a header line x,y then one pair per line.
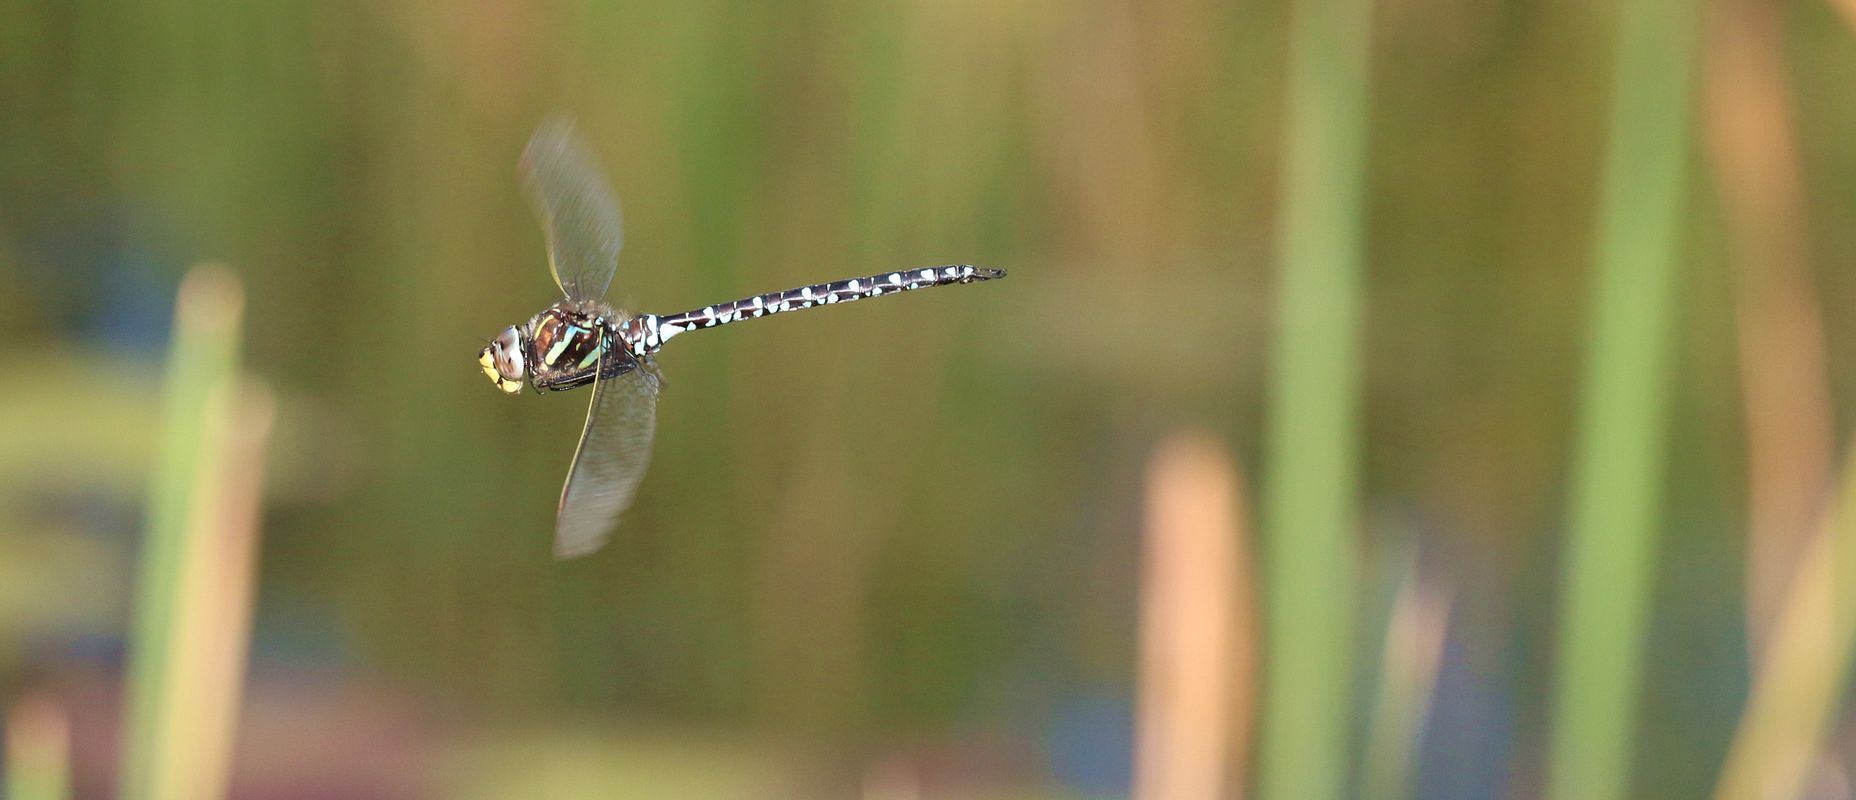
x,y
193,592
897,549
1614,507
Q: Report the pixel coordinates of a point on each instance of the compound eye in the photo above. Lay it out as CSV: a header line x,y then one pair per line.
x,y
508,350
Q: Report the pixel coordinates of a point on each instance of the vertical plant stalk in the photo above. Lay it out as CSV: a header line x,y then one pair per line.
x,y
1313,438
194,595
1617,483
38,749
1783,374
1799,677
213,613
1414,648
1196,649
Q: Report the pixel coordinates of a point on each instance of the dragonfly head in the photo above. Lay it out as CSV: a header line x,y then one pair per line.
x,y
502,360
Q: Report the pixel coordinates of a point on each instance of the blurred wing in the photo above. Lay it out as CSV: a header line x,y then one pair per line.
x,y
577,209
615,448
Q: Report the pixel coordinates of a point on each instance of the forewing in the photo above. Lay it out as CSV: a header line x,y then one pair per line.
x,y
577,209
615,448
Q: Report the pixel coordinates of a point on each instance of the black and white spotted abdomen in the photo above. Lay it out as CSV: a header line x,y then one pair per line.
x,y
645,334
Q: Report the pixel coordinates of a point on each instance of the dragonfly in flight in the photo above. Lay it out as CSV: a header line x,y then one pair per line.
x,y
581,340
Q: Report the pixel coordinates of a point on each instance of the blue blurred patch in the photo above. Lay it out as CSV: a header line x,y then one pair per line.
x,y
134,309
1091,743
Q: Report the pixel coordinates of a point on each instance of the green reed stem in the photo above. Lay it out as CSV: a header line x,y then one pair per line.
x,y
1617,483
1313,438
202,364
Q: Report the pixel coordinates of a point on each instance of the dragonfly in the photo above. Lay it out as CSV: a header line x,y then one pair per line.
x,y
581,340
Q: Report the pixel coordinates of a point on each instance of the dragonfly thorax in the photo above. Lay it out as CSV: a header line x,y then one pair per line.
x,y
562,340
569,343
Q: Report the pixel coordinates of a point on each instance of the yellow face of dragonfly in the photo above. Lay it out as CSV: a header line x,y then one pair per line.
x,y
502,360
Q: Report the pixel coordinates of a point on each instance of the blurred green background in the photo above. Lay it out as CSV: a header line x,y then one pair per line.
x,y
895,549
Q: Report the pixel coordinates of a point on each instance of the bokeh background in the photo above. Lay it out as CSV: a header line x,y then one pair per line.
x,y
1568,347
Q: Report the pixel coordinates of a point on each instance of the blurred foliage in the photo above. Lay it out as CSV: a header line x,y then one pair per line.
x,y
897,521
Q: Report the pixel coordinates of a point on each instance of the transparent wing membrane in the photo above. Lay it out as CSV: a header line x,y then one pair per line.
x,y
615,448
577,209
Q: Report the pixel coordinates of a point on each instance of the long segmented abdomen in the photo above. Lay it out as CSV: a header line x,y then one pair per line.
x,y
645,334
